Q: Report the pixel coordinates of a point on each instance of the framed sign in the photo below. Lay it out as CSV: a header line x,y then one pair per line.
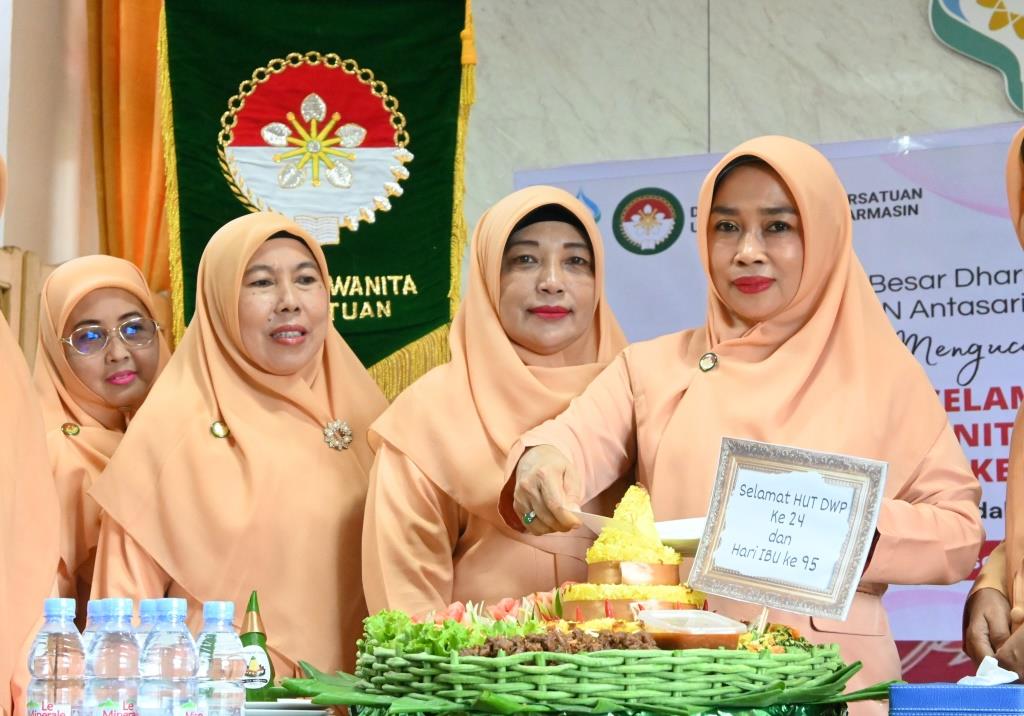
x,y
789,528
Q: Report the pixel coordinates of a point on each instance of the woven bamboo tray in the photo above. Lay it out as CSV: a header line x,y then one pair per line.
x,y
776,710
692,676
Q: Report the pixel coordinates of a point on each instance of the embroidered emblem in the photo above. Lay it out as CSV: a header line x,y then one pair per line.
x,y
648,221
338,435
334,152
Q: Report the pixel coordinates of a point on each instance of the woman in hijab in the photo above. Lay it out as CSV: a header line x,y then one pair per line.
x,y
99,352
29,516
533,331
994,611
246,468
795,350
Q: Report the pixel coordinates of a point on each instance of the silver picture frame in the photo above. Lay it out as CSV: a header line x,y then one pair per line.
x,y
865,476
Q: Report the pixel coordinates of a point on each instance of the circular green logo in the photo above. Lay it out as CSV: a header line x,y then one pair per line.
x,y
648,221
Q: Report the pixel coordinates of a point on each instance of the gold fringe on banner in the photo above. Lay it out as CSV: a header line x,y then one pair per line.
x,y
171,185
407,364
394,373
467,95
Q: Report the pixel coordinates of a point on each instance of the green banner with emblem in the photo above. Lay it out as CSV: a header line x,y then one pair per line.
x,y
350,118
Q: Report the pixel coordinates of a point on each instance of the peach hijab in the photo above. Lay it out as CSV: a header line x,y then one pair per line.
x,y
64,397
79,458
29,512
489,394
271,506
828,372
1014,488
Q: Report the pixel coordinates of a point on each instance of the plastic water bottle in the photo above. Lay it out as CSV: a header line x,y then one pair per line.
x,y
57,663
147,618
169,663
94,616
112,664
221,664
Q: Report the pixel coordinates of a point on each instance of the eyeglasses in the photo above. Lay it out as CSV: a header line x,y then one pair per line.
x,y
135,333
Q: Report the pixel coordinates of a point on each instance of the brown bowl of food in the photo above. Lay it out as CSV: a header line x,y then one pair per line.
x,y
692,629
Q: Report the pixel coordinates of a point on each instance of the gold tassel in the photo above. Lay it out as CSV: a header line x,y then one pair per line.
x,y
394,373
409,363
171,185
467,95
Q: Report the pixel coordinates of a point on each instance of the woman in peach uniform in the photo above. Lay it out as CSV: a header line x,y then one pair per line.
x,y
29,516
100,351
795,350
236,473
994,611
533,330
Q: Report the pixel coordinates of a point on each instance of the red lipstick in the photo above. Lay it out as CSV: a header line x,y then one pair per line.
x,y
550,313
753,284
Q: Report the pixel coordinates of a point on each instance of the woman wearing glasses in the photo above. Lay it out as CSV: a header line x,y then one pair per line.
x,y
99,352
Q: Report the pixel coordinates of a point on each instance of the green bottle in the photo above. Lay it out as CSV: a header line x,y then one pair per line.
x,y
259,669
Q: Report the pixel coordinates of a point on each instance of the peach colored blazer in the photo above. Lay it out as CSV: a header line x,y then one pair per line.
x,y
79,457
29,520
1004,569
29,515
422,550
432,534
827,373
192,512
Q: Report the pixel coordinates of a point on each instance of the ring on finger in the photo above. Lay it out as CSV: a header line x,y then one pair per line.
x,y
529,517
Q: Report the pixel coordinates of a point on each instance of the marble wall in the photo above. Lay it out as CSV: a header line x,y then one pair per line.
x,y
571,81
51,202
574,81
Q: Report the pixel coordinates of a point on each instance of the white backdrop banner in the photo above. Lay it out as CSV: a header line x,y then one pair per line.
x,y
931,227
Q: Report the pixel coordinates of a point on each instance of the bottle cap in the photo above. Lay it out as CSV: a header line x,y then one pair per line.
x,y
253,623
172,608
148,607
96,608
118,607
219,611
59,607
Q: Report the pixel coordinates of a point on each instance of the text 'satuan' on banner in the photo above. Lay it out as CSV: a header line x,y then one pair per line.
x,y
350,118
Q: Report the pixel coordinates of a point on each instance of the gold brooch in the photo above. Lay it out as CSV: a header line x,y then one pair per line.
x,y
219,429
70,429
338,435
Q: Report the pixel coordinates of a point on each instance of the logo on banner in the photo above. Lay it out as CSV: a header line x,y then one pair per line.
x,y
317,138
595,210
989,31
648,221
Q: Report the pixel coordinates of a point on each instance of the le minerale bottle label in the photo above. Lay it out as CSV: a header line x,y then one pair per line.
x,y
257,667
113,707
36,708
188,708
